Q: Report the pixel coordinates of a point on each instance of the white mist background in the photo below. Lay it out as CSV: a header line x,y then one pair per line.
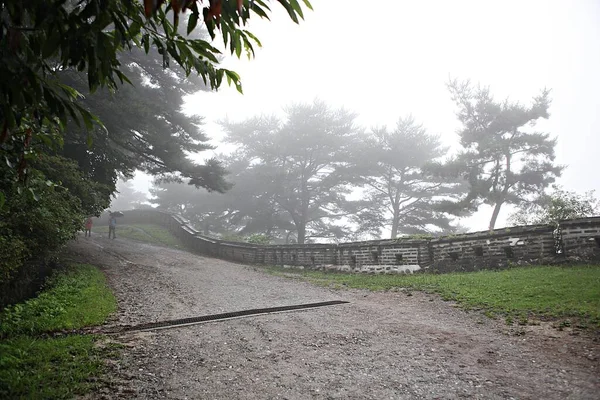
x,y
387,59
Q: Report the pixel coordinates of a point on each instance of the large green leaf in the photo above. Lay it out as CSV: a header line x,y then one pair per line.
x,y
192,22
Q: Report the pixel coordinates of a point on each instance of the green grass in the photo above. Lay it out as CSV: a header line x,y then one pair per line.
x,y
48,368
73,298
37,367
517,293
148,233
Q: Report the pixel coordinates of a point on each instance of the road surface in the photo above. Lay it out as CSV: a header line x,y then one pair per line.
x,y
392,345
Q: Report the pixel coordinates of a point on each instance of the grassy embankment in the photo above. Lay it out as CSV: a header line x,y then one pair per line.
x,y
148,233
34,365
570,295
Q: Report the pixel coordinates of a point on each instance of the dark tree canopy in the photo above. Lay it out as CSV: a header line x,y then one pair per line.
x,y
504,160
145,128
40,39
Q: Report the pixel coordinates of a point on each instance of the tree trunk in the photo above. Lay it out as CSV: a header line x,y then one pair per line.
x,y
301,234
504,193
495,215
395,223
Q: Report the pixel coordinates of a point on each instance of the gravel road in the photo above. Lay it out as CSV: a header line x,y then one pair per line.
x,y
379,346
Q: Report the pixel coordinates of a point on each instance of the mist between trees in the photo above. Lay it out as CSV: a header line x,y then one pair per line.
x,y
315,175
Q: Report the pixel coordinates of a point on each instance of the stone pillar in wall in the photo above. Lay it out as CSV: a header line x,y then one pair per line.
x,y
581,238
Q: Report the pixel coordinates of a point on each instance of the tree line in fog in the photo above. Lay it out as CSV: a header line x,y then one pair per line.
x,y
315,174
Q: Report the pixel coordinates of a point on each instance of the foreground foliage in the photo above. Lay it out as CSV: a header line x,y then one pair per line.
x,y
39,39
36,221
543,291
41,368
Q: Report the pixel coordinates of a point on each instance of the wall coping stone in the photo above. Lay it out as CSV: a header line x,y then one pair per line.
x,y
580,222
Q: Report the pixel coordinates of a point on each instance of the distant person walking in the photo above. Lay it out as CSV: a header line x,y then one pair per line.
x,y
88,227
112,224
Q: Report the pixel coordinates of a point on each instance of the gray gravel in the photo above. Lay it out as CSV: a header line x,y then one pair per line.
x,y
380,346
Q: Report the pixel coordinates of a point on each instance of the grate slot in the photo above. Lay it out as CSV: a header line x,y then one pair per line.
x,y
216,317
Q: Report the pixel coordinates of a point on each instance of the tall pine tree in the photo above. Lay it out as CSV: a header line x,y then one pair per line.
x,y
503,158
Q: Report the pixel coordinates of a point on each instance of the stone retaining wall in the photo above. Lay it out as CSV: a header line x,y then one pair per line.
x,y
499,248
581,238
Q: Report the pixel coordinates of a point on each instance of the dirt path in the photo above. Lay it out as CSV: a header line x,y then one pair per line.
x,y
380,346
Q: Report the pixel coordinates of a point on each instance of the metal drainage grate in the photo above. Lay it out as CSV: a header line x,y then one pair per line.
x,y
214,317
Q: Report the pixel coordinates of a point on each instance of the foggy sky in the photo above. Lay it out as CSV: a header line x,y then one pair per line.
x,y
394,59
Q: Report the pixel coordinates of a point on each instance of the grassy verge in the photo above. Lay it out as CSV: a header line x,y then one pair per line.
x,y
563,293
148,233
36,367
